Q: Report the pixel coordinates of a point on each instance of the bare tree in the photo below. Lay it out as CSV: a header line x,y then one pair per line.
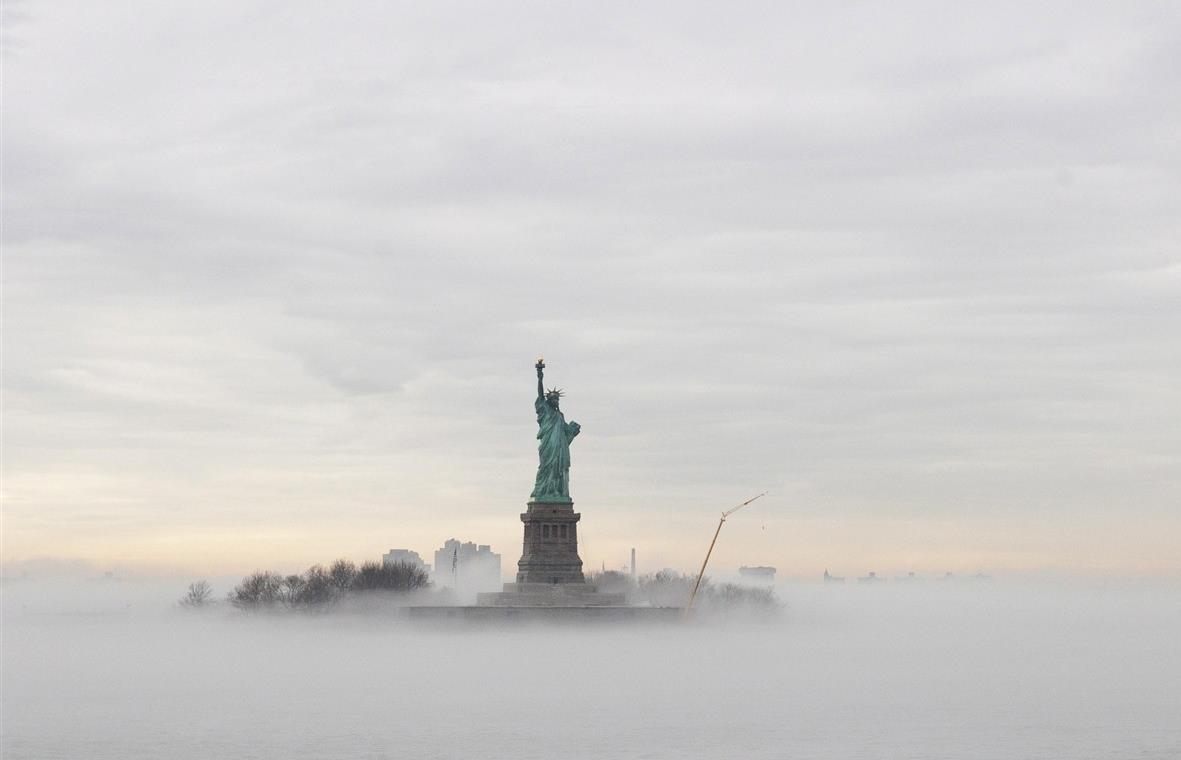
x,y
612,581
257,590
342,573
400,576
291,589
669,588
198,595
318,588
748,598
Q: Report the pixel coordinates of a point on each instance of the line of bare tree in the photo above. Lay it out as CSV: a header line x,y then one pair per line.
x,y
317,588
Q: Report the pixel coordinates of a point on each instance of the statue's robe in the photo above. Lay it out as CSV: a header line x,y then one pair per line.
x,y
554,435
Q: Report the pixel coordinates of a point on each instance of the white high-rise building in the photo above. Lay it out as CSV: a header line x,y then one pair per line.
x,y
467,568
405,557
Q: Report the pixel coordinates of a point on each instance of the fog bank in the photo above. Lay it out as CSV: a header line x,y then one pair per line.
x,y
931,670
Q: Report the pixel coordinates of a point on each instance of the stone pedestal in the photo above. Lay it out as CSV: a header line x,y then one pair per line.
x,y
550,553
549,574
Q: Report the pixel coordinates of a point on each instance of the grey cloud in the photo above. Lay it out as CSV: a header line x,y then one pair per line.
x,y
886,253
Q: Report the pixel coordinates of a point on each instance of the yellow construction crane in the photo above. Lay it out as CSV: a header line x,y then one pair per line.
x,y
700,575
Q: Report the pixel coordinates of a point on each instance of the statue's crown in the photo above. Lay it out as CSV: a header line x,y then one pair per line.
x,y
554,393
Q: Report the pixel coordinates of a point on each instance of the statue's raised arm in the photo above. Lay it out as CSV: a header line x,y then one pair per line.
x,y
540,385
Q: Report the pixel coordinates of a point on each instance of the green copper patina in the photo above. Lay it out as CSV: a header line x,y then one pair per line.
x,y
554,435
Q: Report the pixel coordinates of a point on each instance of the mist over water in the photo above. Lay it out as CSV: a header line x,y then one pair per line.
x,y
924,670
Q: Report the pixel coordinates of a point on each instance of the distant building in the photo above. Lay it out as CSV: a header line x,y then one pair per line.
x,y
467,568
833,578
405,557
871,578
981,576
760,573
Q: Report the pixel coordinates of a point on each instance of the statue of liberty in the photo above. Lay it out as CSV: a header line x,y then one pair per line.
x,y
554,435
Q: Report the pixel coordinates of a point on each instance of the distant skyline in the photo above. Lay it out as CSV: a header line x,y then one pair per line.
x,y
275,278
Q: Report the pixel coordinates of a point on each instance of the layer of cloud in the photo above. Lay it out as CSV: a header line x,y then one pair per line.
x,y
286,270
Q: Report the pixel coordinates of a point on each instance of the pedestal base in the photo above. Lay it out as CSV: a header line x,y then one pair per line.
x,y
550,553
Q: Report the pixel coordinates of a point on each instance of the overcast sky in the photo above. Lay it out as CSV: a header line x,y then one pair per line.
x,y
275,278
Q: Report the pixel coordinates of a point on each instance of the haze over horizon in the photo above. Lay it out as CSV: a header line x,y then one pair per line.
x,y
275,279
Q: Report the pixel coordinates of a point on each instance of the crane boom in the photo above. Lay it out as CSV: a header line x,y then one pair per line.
x,y
732,510
700,575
